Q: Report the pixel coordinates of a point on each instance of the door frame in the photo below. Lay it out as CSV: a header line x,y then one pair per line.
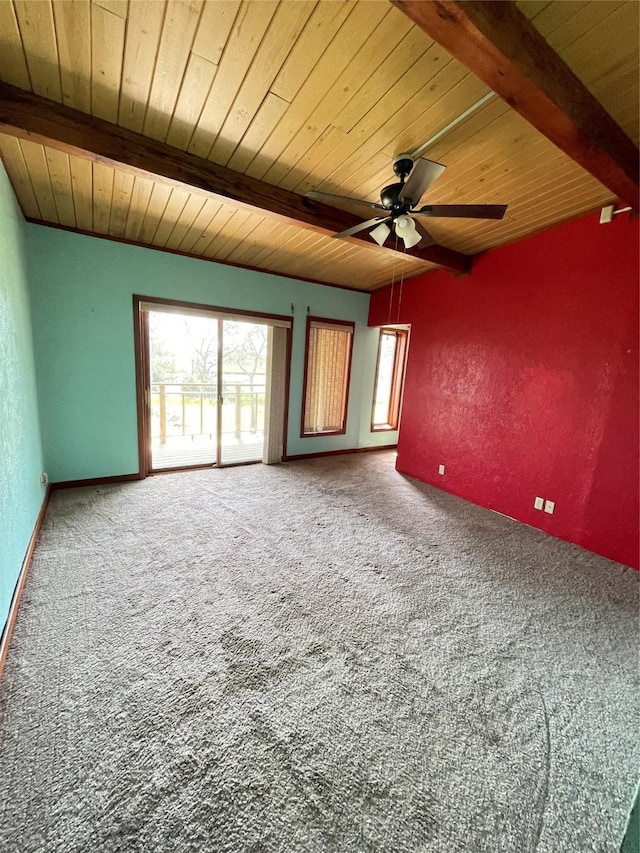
x,y
143,377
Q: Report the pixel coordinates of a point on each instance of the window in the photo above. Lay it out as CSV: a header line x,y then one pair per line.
x,y
392,352
326,376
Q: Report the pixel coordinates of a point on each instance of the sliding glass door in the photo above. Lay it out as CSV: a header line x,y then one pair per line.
x,y
207,389
183,391
243,384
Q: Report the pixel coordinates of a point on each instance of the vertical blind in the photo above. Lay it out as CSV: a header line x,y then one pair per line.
x,y
327,374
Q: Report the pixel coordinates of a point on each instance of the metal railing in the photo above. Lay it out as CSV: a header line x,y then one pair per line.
x,y
190,408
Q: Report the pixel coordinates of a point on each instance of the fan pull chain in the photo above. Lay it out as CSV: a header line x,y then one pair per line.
x,y
393,277
401,285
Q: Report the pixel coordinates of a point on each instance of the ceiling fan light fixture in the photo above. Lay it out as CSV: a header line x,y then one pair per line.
x,y
380,233
411,240
406,229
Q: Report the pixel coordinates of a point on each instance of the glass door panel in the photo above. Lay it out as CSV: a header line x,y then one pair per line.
x,y
183,359
243,386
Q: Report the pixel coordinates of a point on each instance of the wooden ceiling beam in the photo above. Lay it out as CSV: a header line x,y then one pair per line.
x,y
498,44
30,116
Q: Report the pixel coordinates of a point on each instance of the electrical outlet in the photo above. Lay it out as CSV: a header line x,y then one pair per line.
x,y
44,478
538,503
549,507
440,469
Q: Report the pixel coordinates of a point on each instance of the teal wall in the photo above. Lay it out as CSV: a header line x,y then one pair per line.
x,y
82,308
20,450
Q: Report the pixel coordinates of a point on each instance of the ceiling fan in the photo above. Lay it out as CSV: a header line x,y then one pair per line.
x,y
400,201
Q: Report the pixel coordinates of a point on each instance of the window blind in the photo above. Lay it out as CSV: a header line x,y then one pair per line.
x,y
327,374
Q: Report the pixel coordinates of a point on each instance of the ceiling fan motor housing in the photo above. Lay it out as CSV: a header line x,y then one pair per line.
x,y
390,201
402,166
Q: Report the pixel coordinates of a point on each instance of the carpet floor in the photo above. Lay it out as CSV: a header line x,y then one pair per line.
x,y
323,656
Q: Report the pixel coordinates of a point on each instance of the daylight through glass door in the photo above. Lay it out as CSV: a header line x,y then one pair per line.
x,y
243,387
207,390
183,361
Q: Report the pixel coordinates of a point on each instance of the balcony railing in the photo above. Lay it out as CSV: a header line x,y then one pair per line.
x,y
190,409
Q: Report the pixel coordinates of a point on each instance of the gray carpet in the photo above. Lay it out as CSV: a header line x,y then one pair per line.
x,y
319,656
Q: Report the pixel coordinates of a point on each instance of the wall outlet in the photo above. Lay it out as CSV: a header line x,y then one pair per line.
x,y
44,478
538,503
549,507
440,469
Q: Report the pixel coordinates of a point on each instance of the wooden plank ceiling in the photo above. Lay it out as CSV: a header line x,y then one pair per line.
x,y
302,95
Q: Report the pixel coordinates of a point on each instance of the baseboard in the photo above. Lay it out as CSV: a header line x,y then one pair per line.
x,y
338,452
96,481
5,639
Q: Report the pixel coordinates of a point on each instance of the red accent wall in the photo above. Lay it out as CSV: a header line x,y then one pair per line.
x,y
522,379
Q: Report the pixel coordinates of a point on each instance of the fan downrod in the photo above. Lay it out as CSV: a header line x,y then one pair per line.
x,y
402,166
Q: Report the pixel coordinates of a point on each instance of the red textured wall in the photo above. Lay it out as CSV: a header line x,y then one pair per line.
x,y
522,379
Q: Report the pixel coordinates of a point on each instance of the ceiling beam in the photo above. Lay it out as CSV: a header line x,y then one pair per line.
x,y
498,44
30,116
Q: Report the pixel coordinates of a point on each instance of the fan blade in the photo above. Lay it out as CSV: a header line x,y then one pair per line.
x,y
354,205
466,211
423,174
361,226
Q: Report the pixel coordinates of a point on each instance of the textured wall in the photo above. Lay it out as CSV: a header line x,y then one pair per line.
x,y
83,316
523,381
20,451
